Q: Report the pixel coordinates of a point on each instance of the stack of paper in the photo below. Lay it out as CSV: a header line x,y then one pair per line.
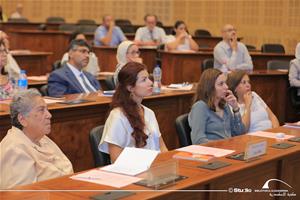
x,y
271,135
132,161
180,86
197,149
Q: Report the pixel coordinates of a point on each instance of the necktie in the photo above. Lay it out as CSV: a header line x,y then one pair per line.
x,y
151,35
86,84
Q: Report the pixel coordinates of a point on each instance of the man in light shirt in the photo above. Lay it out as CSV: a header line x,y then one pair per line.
x,y
150,35
18,14
71,78
229,54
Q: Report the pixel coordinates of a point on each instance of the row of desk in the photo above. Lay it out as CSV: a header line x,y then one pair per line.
x,y
282,164
71,123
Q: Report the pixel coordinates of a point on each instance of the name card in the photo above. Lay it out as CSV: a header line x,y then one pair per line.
x,y
255,149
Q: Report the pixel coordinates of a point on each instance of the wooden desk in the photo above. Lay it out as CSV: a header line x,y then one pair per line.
x,y
71,124
108,61
8,26
276,164
35,63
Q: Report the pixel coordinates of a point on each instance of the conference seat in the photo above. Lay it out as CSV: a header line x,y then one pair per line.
x,y
202,32
56,65
122,22
86,22
110,83
295,99
87,28
183,130
54,19
100,158
278,64
68,27
44,90
272,48
250,47
207,63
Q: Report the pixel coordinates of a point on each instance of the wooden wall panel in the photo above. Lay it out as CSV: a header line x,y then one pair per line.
x,y
257,21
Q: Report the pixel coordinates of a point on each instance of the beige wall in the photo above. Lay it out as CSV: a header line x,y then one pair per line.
x,y
257,21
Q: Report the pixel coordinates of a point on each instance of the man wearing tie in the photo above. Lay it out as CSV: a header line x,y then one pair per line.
x,y
71,78
150,35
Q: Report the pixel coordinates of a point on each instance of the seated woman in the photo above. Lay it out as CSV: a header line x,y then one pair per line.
x,y
92,66
127,52
256,115
210,117
294,71
130,124
6,88
27,154
182,41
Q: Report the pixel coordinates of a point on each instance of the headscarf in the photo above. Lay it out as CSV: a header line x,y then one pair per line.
x,y
297,53
122,51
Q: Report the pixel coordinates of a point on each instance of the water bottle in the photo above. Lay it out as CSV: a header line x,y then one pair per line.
x,y
22,81
156,79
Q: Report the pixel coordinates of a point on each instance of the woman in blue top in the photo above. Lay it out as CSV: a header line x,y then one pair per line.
x,y
211,117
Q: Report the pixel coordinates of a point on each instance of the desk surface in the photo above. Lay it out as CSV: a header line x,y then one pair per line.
x,y
238,175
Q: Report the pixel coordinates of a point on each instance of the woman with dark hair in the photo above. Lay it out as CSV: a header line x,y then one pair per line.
x,y
92,66
130,124
256,115
210,117
6,88
182,41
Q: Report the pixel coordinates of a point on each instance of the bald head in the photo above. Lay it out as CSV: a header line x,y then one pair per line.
x,y
228,32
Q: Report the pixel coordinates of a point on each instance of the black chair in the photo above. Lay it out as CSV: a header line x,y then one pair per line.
x,y
278,64
207,63
100,158
44,90
160,24
88,28
86,22
183,130
250,47
68,27
122,22
110,83
127,28
202,32
53,19
272,48
56,65
18,20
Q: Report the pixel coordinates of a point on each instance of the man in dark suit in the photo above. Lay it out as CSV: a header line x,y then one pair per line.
x,y
71,78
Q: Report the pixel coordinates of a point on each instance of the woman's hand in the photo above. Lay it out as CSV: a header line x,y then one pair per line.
x,y
231,100
248,99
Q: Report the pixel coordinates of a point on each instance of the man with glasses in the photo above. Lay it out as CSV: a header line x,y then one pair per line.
x,y
150,35
71,78
229,54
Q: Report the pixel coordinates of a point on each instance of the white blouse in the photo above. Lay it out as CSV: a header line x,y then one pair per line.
x,y
181,47
117,131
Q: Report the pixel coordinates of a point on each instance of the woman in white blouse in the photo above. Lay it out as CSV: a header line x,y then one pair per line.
x,y
294,71
130,124
256,115
182,41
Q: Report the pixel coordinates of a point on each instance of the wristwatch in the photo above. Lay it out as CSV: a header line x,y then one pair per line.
x,y
237,110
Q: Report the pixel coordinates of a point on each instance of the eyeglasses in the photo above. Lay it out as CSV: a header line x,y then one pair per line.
x,y
3,51
138,53
83,51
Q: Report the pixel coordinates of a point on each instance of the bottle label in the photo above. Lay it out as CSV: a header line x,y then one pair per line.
x,y
22,83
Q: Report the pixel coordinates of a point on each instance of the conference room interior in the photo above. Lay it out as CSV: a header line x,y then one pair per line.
x,y
38,45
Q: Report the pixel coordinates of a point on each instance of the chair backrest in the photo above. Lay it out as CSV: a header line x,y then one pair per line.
x,y
278,64
295,99
250,47
88,28
272,48
53,19
202,32
17,20
44,90
183,130
86,21
110,83
127,28
100,158
56,65
68,27
122,22
207,63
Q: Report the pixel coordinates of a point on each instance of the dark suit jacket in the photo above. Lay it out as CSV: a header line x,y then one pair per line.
x,y
62,81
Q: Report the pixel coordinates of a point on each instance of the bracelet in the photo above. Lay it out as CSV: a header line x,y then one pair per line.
x,y
237,110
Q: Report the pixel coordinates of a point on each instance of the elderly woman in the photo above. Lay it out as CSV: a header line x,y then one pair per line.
x,y
127,52
294,72
27,154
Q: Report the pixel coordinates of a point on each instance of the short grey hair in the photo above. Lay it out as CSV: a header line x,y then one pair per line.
x,y
22,103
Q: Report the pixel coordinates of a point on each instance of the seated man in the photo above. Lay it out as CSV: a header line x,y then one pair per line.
x,y
108,34
18,13
71,78
229,54
150,35
27,154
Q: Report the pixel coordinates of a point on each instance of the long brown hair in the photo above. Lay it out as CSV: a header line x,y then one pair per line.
x,y
127,77
206,90
234,79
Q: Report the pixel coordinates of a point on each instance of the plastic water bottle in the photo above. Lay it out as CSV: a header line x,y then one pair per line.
x,y
156,79
22,81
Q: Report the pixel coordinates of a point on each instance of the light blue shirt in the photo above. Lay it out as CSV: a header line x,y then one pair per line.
x,y
227,60
117,36
207,125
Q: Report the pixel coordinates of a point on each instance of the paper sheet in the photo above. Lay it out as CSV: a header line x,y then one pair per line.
x,y
106,178
37,78
270,135
53,100
132,161
197,149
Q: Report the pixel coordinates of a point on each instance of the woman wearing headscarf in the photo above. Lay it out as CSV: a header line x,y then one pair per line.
x,y
127,52
294,72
